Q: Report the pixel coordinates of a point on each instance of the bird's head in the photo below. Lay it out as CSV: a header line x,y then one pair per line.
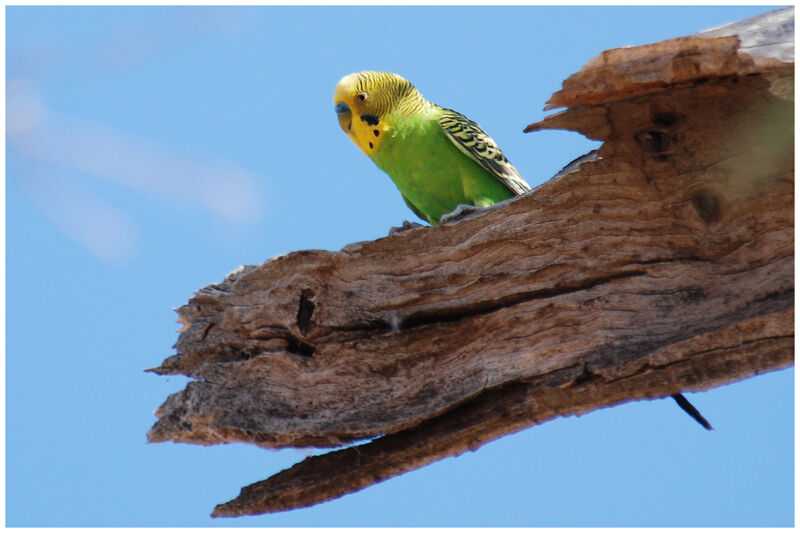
x,y
364,98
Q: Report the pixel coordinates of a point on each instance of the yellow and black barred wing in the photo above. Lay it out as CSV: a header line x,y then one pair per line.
x,y
475,143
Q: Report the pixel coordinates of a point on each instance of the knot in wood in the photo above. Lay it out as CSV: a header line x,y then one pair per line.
x,y
707,206
305,310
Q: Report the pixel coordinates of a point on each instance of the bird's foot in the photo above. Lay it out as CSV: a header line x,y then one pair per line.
x,y
459,213
405,227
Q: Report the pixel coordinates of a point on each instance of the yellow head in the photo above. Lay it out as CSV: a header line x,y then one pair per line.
x,y
363,99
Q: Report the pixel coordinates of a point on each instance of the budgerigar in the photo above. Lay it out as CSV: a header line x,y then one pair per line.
x,y
437,157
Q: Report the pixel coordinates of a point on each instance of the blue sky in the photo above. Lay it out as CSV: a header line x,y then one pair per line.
x,y
151,150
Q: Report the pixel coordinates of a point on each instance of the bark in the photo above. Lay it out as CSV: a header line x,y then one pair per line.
x,y
662,263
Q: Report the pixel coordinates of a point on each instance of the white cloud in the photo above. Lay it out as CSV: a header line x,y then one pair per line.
x,y
118,45
103,229
24,109
58,140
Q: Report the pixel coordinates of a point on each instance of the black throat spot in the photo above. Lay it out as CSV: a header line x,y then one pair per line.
x,y
372,120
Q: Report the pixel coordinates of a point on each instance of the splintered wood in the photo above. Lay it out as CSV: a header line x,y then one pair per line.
x,y
662,263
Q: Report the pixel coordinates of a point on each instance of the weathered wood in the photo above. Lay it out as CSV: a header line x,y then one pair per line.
x,y
663,264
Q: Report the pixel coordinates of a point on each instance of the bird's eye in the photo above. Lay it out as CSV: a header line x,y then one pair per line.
x,y
362,96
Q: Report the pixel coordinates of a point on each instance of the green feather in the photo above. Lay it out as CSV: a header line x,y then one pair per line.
x,y
439,159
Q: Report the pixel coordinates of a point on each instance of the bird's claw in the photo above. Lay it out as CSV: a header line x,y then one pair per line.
x,y
459,213
405,227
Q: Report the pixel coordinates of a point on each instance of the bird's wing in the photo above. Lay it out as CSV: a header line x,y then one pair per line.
x,y
478,146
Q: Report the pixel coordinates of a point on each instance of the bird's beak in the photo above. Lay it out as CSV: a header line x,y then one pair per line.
x,y
345,117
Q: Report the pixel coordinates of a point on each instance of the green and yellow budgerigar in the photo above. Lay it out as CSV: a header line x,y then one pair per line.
x,y
437,157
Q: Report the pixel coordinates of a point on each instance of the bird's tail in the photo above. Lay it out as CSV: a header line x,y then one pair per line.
x,y
691,410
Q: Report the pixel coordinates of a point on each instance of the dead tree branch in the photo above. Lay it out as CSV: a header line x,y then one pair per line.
x,y
663,263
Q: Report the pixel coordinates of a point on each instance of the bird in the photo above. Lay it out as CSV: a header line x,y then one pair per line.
x,y
438,158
